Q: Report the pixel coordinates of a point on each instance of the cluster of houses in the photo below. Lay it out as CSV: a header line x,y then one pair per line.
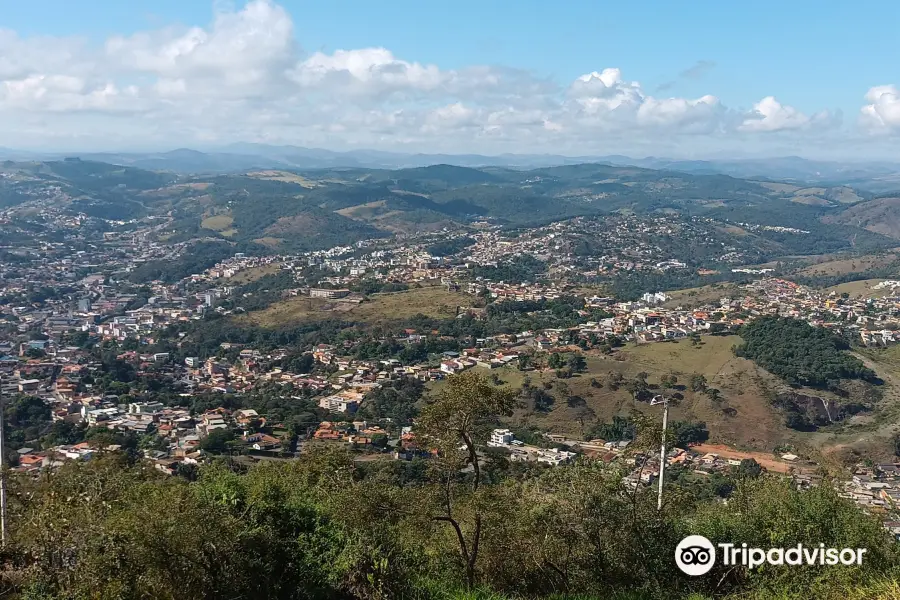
x,y
180,432
876,489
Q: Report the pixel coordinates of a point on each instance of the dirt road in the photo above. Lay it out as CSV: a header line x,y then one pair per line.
x,y
769,462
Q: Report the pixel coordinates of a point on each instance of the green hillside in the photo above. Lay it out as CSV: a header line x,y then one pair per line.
x,y
299,210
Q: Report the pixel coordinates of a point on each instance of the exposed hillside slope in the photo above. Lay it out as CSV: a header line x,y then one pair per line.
x,y
881,215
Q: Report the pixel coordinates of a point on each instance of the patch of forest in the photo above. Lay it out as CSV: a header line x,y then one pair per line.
x,y
800,353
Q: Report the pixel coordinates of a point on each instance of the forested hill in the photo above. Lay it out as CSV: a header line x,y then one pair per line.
x,y
296,210
800,353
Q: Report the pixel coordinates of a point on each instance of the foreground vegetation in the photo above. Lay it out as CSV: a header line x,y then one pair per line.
x,y
456,526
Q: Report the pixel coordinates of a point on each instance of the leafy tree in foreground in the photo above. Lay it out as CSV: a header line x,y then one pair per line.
x,y
456,423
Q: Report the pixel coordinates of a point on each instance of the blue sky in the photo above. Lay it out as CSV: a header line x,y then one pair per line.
x,y
690,78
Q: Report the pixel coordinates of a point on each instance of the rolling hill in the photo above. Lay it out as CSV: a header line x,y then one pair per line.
x,y
291,209
881,215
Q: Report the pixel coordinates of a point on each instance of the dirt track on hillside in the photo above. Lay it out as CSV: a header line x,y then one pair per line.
x,y
767,461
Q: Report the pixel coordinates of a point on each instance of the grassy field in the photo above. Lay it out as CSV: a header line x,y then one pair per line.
x,y
868,435
269,242
283,176
379,308
253,273
842,266
362,211
860,289
693,297
217,222
742,419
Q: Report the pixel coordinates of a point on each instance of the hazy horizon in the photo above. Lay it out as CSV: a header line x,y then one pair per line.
x,y
232,149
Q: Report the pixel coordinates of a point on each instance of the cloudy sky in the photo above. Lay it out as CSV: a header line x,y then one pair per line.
x,y
697,79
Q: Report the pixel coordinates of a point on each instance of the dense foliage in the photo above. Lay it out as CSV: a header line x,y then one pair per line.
x,y
519,269
448,247
195,259
324,528
800,353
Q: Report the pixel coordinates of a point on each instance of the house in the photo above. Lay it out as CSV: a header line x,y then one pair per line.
x,y
145,408
262,441
337,404
29,386
555,457
98,415
501,437
329,294
245,416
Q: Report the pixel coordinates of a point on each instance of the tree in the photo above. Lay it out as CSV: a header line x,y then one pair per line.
x,y
152,442
800,353
686,433
668,381
621,428
714,394
524,362
577,363
638,386
287,443
748,469
614,380
697,382
455,424
35,353
217,441
555,361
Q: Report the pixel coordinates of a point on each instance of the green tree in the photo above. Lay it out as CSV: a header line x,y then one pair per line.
x,y
35,353
524,362
555,361
697,382
456,423
668,381
748,469
217,441
577,362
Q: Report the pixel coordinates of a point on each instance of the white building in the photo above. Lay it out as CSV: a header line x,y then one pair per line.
x,y
501,437
655,298
555,457
145,408
337,404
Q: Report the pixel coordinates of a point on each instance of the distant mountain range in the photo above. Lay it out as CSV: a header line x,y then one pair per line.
x,y
289,210
872,176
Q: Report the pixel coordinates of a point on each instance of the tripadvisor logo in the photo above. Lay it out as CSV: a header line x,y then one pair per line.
x,y
695,555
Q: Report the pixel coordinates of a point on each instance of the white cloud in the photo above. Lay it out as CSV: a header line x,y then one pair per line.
x,y
249,47
770,115
370,70
706,112
244,77
882,113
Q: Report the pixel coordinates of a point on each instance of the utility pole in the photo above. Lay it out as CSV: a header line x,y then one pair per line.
x,y
662,448
2,471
